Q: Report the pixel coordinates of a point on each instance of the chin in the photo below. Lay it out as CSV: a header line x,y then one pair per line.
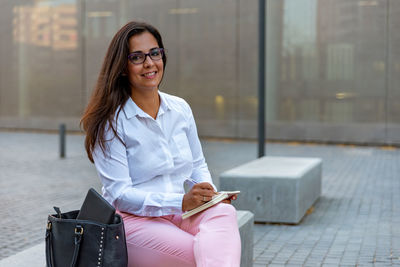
x,y
153,85
150,88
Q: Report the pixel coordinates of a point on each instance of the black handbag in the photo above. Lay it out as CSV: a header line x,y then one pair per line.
x,y
82,243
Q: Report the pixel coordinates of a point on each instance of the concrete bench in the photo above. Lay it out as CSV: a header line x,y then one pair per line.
x,y
35,256
245,221
275,189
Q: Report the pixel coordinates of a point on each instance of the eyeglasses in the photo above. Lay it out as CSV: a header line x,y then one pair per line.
x,y
140,57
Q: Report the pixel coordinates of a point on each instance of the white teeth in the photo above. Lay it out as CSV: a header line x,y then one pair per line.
x,y
150,73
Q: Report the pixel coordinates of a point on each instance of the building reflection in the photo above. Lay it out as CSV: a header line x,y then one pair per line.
x,y
46,60
332,65
53,26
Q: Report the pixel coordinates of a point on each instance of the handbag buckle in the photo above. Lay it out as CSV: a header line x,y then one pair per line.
x,y
48,226
79,230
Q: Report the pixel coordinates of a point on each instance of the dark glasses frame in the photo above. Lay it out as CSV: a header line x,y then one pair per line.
x,y
161,50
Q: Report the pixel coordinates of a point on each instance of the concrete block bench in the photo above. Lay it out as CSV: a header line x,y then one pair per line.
x,y
275,189
35,256
245,221
32,257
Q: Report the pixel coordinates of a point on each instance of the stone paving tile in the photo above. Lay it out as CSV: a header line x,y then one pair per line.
x,y
32,180
354,223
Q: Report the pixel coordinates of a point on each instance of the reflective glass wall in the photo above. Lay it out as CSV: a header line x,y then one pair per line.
x,y
333,70
40,63
332,65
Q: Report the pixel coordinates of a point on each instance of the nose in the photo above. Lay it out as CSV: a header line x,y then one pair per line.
x,y
148,61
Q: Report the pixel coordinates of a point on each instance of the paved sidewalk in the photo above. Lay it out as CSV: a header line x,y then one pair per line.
x,y
356,222
33,179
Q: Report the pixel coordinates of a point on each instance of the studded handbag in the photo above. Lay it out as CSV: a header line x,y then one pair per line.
x,y
71,242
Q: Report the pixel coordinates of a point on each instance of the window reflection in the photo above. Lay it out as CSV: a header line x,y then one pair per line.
x,y
330,63
45,43
47,24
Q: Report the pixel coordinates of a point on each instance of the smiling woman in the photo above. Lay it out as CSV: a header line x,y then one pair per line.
x,y
144,154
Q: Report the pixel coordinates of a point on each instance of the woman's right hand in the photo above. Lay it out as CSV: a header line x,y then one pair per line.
x,y
198,195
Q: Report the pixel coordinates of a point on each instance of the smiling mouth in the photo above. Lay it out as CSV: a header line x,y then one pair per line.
x,y
149,74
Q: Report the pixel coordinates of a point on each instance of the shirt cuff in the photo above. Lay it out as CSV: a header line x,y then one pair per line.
x,y
172,204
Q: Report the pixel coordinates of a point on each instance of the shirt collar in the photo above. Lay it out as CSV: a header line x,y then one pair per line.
x,y
131,109
164,105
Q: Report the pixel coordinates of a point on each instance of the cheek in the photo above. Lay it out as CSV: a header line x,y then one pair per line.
x,y
161,68
133,71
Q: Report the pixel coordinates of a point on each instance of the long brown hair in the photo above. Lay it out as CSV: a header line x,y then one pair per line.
x,y
112,89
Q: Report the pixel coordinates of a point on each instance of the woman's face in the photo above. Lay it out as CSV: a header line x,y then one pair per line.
x,y
146,75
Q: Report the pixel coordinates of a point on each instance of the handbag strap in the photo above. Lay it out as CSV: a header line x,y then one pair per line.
x,y
58,211
49,249
78,239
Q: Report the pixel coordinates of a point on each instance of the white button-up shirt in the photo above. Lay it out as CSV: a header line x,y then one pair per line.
x,y
145,175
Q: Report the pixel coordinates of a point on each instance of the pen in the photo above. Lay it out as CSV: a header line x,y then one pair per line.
x,y
191,181
188,184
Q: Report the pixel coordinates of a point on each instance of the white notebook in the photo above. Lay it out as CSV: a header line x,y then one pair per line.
x,y
215,200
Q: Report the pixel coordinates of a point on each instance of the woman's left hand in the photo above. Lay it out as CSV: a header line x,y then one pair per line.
x,y
229,200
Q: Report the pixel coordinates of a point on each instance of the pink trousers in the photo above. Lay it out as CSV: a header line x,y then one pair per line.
x,y
209,238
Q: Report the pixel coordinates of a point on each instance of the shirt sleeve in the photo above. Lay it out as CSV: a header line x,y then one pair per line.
x,y
200,171
118,189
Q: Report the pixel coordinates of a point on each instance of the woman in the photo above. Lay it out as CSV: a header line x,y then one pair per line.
x,y
144,145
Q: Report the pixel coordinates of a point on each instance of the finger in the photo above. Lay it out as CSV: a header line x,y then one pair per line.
x,y
203,192
205,185
207,193
205,198
227,201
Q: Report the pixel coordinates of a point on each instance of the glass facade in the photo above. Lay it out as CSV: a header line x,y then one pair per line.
x,y
40,67
332,65
334,74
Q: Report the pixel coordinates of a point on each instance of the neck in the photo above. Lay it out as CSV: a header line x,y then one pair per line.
x,y
148,101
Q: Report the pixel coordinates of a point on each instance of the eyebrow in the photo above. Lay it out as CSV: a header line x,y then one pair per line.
x,y
140,51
